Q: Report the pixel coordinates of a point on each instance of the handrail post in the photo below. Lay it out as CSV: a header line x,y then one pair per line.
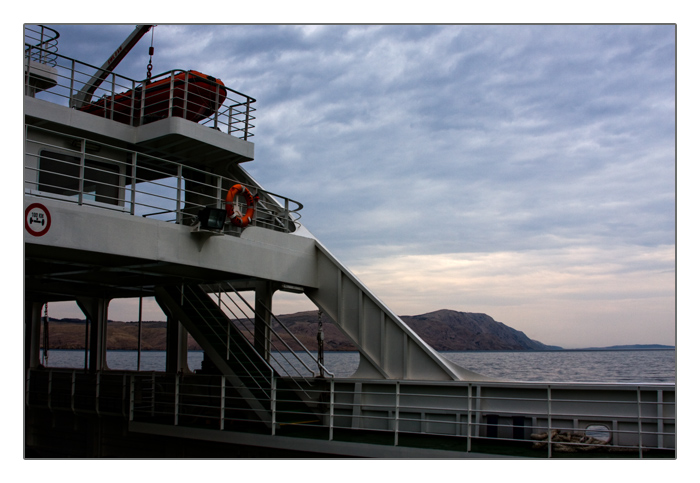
x,y
132,210
132,108
469,417
273,403
230,119
639,419
72,391
178,204
247,119
72,83
97,392
172,94
216,103
177,398
111,111
142,107
396,413
332,408
81,178
132,396
222,406
185,94
286,215
549,421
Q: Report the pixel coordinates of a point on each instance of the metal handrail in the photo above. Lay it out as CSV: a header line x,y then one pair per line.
x,y
229,352
390,408
147,186
228,288
120,98
44,44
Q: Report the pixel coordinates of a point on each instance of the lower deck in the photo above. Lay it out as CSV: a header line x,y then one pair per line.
x,y
72,413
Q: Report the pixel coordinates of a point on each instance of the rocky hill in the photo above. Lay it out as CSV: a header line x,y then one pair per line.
x,y
447,330
444,330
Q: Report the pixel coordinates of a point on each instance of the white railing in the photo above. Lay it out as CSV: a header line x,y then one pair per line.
x,y
527,419
286,353
43,42
86,172
176,93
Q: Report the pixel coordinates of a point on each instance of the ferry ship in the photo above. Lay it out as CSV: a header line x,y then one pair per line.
x,y
137,188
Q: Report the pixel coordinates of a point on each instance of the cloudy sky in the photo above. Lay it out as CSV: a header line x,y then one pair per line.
x,y
523,171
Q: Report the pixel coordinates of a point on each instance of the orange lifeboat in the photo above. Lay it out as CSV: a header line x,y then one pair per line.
x,y
204,94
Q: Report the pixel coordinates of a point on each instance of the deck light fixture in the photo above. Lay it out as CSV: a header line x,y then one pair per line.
x,y
212,218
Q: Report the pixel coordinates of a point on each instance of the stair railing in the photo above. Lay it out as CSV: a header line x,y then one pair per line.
x,y
226,290
230,352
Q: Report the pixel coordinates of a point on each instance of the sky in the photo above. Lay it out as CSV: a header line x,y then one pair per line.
x,y
523,171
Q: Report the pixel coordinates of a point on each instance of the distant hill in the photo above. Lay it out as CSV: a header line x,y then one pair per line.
x,y
448,330
444,330
635,347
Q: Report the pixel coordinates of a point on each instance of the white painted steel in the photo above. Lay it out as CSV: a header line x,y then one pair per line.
x,y
640,417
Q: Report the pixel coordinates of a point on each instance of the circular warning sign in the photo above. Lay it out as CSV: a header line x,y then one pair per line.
x,y
37,219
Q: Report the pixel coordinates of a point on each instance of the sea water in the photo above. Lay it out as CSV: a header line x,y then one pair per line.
x,y
647,366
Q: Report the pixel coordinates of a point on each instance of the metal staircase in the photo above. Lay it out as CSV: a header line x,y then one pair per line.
x,y
227,348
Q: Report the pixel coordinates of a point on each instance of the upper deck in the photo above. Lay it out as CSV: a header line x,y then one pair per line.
x,y
176,113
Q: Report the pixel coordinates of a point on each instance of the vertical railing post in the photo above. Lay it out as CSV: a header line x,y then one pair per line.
x,y
186,94
219,185
247,119
72,83
178,204
28,73
273,404
330,419
142,106
111,111
132,396
222,405
97,392
177,398
134,155
81,179
132,108
639,419
153,394
172,94
396,413
660,418
123,394
549,421
287,221
216,111
72,392
469,417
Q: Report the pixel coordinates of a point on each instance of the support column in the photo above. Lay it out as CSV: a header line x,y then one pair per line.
x,y
176,347
263,306
95,309
32,334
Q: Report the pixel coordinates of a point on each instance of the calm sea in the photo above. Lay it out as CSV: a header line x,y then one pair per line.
x,y
561,366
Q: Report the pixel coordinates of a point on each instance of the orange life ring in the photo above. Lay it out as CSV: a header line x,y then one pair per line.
x,y
244,220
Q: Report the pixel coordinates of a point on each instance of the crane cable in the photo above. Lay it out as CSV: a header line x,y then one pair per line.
x,y
151,50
